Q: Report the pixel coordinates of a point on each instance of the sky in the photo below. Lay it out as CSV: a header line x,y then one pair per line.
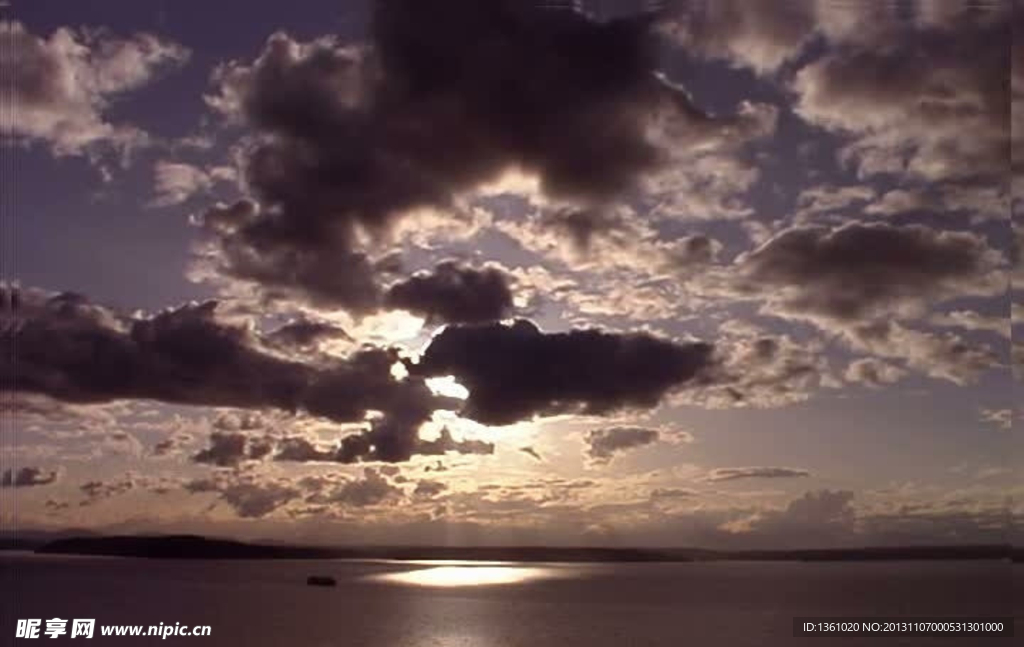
x,y
729,274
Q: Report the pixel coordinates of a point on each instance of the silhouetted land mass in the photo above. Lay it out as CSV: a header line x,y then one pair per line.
x,y
34,539
194,547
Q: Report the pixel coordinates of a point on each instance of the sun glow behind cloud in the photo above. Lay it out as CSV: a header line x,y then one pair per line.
x,y
520,432
447,386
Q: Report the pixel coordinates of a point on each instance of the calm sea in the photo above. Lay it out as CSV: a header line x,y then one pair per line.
x,y
265,603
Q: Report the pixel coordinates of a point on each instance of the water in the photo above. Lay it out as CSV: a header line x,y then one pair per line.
x,y
375,604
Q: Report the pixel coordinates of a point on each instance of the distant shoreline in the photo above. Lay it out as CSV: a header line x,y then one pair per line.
x,y
195,547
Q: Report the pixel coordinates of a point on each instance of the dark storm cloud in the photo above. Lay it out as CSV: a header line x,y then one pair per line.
x,y
349,139
860,271
28,477
526,84
454,294
604,444
321,267
514,372
72,350
737,473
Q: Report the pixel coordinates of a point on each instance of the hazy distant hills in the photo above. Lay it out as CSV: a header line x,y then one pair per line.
x,y
194,547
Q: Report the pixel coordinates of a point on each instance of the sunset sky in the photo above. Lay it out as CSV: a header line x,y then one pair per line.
x,y
732,273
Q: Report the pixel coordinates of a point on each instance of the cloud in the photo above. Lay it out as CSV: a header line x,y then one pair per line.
x,y
759,34
99,490
604,444
736,473
762,370
668,494
970,320
999,418
872,372
452,293
514,372
940,356
826,199
898,201
70,349
349,140
817,518
230,449
372,489
28,477
247,495
861,271
914,91
176,182
428,489
531,452
1017,112
924,100
444,443
376,487
861,282
64,85
305,333
820,507
173,444
605,242
315,267
238,421
379,443
302,450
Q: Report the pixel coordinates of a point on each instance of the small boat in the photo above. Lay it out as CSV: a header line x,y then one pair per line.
x,y
321,580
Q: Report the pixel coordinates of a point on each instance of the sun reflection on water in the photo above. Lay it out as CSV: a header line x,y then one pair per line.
x,y
453,576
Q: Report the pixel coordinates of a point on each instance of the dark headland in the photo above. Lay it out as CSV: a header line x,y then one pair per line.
x,y
195,547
